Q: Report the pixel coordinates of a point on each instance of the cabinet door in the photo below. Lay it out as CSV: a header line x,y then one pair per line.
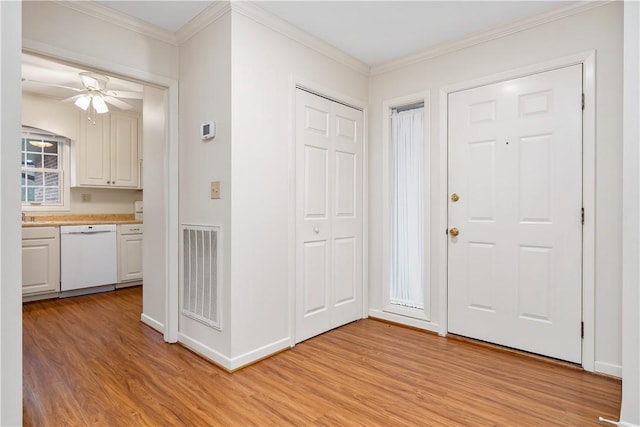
x,y
94,151
124,150
40,266
130,258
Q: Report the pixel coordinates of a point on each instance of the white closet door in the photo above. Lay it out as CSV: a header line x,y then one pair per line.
x,y
329,214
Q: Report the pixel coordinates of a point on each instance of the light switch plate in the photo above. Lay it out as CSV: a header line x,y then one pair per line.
x,y
215,189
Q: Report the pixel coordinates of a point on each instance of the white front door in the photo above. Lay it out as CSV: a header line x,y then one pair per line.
x,y
328,214
515,164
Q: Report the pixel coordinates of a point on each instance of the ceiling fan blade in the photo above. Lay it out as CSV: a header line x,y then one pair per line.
x,y
116,102
54,85
124,94
72,98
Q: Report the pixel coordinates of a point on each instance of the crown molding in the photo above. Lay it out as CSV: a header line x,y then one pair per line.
x,y
211,14
111,16
265,18
487,35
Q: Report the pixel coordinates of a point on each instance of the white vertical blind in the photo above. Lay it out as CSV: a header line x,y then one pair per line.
x,y
407,208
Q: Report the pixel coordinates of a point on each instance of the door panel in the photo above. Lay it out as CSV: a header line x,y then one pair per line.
x,y
515,160
329,215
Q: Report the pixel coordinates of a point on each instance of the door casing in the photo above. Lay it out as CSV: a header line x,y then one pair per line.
x,y
588,60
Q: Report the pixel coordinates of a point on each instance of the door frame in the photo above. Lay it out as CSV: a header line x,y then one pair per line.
x,y
170,182
295,83
588,60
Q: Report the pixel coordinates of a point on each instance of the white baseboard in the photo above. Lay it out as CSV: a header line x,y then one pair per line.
x,y
404,320
609,369
152,323
205,351
231,364
260,353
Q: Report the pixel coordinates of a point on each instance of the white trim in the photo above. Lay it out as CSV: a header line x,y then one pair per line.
x,y
205,351
608,369
172,217
291,223
588,59
259,15
442,241
171,159
296,83
259,353
589,205
387,105
201,21
486,35
120,19
404,320
237,362
365,211
152,323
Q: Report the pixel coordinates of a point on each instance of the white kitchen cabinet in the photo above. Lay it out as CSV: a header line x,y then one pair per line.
x,y
129,254
107,151
40,261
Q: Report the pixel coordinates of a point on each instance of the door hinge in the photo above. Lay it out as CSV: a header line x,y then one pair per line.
x,y
581,329
582,215
583,102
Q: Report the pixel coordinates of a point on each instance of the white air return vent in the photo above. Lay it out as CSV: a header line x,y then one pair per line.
x,y
201,278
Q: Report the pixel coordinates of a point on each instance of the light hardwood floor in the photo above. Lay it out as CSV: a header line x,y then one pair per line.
x,y
89,361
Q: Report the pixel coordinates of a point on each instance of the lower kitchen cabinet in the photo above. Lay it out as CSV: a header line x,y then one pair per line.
x,y
40,261
129,255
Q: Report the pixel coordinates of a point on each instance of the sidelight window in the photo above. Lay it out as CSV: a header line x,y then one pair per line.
x,y
407,210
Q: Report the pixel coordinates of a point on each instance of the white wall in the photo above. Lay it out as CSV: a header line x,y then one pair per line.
x,y
600,29
205,94
53,28
10,254
630,410
265,64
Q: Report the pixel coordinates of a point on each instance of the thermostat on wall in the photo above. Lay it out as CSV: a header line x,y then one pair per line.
x,y
207,130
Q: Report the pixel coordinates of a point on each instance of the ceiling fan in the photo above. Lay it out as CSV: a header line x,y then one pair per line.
x,y
95,94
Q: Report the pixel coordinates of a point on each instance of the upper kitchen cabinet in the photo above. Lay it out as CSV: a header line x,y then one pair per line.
x,y
107,151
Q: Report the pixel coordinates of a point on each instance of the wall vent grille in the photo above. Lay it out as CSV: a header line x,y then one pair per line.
x,y
201,274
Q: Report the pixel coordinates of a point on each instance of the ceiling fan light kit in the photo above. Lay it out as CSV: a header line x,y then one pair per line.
x,y
99,105
83,102
93,97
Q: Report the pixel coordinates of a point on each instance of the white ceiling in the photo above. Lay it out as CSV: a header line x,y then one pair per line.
x,y
371,31
170,15
378,31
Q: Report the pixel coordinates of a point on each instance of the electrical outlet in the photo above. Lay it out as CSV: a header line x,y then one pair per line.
x,y
215,189
86,197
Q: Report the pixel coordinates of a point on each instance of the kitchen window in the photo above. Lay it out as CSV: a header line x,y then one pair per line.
x,y
44,183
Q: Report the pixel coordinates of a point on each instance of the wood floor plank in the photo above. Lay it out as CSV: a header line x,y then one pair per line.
x,y
89,361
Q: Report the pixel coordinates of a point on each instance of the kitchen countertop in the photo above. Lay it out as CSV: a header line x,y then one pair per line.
x,y
78,219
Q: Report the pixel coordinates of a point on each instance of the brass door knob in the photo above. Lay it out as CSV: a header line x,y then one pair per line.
x,y
454,232
455,197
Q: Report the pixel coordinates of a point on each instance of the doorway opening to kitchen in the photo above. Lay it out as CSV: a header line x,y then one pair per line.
x,y
107,118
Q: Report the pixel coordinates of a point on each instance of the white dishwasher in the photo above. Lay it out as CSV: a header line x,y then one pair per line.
x,y
88,259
